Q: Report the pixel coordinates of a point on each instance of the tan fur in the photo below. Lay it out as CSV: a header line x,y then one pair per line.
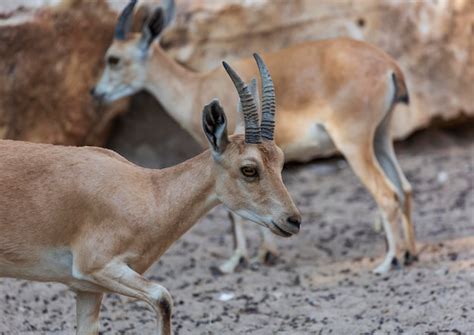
x,y
90,219
332,95
315,84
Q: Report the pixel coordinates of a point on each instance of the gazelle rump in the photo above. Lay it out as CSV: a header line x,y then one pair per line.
x,y
88,218
333,95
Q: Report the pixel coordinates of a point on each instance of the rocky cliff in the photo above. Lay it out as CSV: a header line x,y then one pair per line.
x,y
49,59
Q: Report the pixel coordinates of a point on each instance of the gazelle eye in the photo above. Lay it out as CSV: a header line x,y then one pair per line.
x,y
112,60
249,171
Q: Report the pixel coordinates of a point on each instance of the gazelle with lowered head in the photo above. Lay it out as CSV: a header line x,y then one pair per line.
x,y
90,219
333,95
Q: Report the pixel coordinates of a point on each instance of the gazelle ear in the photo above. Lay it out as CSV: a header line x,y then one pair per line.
x,y
160,18
240,126
214,123
152,28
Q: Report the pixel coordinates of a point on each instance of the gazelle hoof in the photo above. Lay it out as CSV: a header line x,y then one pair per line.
x,y
233,264
409,258
387,265
266,256
269,258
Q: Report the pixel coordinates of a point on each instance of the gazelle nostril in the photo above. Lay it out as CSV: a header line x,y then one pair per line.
x,y
295,221
92,91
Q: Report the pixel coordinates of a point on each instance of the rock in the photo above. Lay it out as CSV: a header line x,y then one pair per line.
x,y
49,60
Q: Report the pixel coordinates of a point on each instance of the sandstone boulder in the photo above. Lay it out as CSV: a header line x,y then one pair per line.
x,y
49,59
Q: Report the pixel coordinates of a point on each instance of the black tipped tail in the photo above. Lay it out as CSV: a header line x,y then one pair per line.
x,y
405,98
401,93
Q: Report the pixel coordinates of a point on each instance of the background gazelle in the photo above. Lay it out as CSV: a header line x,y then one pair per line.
x,y
335,94
88,218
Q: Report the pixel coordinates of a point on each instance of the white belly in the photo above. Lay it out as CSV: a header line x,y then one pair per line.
x,y
314,143
50,265
54,265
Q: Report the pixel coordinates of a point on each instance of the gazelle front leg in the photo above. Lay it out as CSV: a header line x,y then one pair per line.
x,y
268,251
240,246
119,278
87,312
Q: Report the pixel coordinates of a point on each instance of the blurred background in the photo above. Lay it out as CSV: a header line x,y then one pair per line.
x,y
51,54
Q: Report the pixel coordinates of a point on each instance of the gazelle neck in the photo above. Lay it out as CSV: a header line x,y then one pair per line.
x,y
184,193
174,86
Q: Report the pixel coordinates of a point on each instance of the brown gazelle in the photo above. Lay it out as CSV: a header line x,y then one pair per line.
x,y
88,218
333,95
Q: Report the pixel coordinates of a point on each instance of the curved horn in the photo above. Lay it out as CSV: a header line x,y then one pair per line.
x,y
267,126
240,126
249,107
124,21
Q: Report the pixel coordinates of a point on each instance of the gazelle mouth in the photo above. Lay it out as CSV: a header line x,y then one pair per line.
x,y
118,93
280,231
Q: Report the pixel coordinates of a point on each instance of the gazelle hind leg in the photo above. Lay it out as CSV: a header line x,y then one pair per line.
x,y
360,156
240,254
408,228
392,239
383,149
387,199
363,141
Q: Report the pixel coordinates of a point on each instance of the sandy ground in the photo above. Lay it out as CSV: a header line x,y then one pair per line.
x,y
322,282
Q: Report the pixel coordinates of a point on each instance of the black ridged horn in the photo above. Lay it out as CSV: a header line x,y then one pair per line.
x,y
267,126
249,107
125,21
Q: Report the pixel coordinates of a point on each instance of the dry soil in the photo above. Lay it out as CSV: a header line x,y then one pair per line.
x,y
322,283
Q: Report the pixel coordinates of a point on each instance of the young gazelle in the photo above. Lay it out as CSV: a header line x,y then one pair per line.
x,y
335,94
88,218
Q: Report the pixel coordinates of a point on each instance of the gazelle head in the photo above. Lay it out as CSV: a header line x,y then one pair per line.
x,y
126,59
248,167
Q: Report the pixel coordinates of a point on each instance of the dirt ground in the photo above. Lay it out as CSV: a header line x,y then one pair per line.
x,y
322,282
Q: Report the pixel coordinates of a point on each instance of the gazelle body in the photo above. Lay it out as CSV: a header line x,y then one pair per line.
x,y
333,95
88,218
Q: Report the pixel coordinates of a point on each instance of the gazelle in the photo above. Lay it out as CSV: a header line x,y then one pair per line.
x,y
333,95
90,219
